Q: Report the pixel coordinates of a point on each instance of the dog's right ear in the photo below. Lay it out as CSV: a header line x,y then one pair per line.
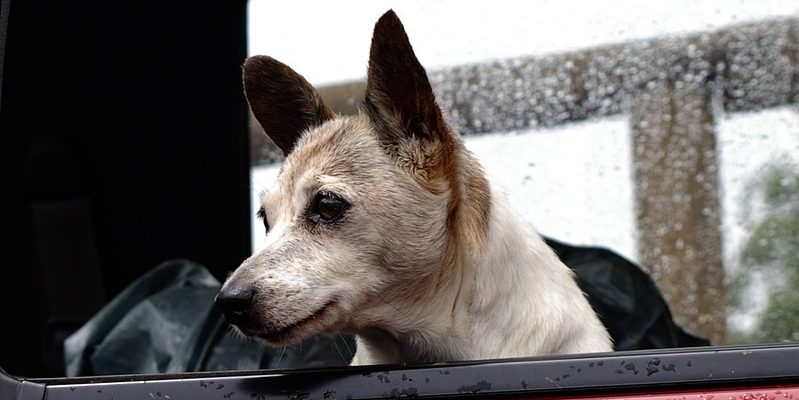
x,y
284,103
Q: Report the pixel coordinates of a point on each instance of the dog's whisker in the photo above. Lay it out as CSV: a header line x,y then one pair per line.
x,y
280,357
338,350
344,340
390,305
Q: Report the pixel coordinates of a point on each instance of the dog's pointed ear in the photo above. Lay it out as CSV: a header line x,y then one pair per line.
x,y
284,103
399,98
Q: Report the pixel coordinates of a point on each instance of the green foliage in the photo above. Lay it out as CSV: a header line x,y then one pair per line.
x,y
780,319
772,250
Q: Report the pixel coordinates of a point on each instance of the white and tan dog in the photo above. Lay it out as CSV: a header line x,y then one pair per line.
x,y
384,225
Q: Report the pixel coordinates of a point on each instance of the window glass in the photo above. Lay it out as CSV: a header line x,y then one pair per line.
x,y
666,131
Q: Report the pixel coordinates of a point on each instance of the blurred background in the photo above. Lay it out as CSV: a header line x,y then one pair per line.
x,y
665,131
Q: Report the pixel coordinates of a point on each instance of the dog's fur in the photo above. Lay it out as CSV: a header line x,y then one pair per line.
x,y
428,263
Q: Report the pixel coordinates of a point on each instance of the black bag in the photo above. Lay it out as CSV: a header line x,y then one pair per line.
x,y
165,321
625,298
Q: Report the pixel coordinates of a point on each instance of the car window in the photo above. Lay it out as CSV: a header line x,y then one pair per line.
x,y
667,131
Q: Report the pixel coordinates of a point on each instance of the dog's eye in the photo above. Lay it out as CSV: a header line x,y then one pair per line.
x,y
262,215
327,207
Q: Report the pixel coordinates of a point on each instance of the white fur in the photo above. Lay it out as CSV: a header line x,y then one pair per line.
x,y
427,263
517,299
512,297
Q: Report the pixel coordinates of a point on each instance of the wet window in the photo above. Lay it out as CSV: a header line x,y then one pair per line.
x,y
667,132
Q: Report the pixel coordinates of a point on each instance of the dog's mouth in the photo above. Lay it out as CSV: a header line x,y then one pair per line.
x,y
316,322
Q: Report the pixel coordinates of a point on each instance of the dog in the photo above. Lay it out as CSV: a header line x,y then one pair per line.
x,y
384,225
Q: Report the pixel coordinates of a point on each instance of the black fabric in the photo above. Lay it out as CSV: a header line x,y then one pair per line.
x,y
625,298
165,322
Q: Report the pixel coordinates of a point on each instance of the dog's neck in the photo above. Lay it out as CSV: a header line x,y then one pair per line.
x,y
514,298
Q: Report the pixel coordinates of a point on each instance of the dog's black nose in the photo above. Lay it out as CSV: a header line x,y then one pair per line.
x,y
235,303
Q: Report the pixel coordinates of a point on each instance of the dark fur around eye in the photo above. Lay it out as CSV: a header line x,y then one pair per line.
x,y
262,215
327,208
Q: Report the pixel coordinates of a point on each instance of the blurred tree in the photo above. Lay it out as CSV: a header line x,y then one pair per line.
x,y
772,252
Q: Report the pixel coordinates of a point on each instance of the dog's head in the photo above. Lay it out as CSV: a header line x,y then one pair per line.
x,y
369,211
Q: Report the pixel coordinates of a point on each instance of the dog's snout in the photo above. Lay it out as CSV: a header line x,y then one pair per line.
x,y
235,302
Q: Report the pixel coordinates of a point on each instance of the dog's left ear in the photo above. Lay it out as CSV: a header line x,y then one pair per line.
x,y
284,103
399,98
